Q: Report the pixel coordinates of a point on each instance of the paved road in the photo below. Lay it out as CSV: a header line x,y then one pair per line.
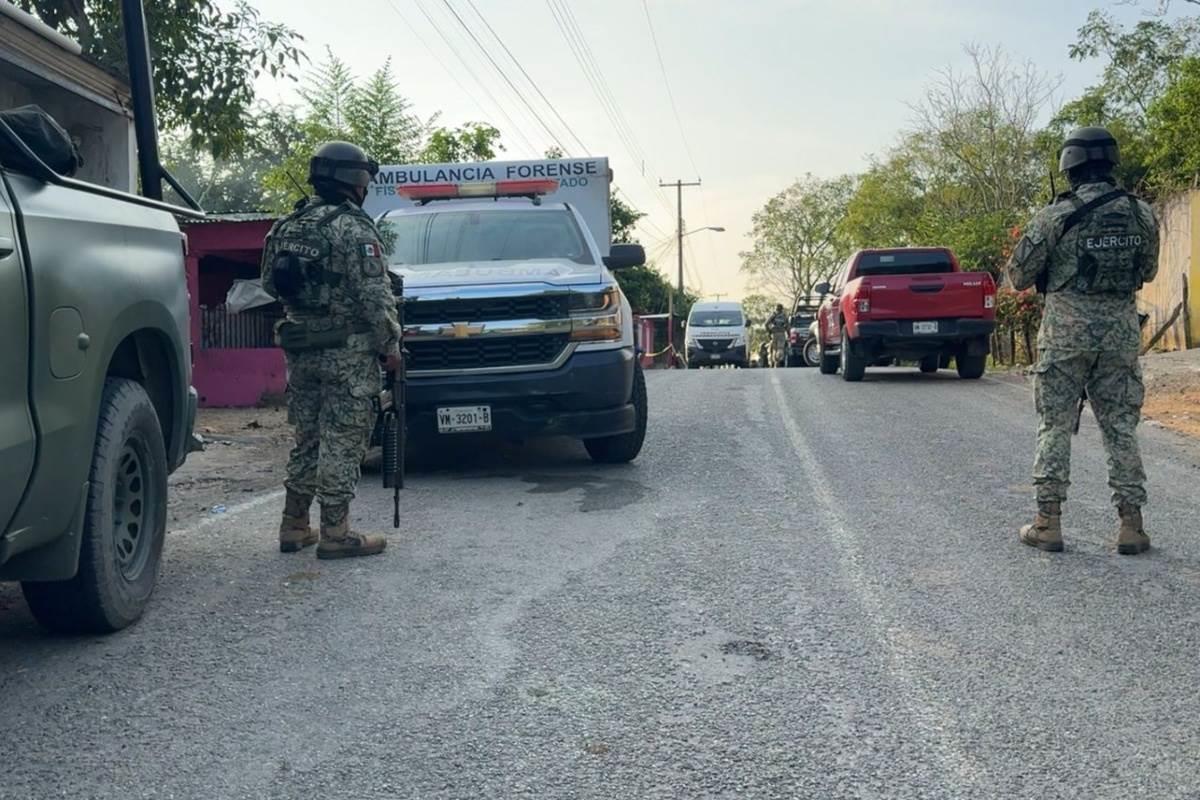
x,y
805,588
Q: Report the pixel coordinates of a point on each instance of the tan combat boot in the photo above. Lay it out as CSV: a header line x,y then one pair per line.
x,y
338,541
295,531
1131,537
1046,531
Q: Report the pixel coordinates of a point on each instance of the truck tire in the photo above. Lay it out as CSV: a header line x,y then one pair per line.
x,y
124,526
930,363
828,364
812,352
624,447
853,367
971,367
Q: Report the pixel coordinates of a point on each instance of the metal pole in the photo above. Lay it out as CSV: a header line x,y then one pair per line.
x,y
678,184
141,86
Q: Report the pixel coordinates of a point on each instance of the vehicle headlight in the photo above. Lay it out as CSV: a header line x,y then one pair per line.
x,y
596,316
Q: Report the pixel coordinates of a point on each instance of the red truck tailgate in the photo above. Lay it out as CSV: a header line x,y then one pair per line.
x,y
956,295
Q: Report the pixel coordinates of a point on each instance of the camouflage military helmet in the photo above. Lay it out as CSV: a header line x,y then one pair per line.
x,y
1088,145
344,163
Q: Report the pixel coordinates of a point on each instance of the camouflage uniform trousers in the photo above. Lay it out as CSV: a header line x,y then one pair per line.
x,y
330,406
1113,380
779,343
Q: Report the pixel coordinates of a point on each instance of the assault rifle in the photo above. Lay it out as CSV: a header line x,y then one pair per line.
x,y
393,403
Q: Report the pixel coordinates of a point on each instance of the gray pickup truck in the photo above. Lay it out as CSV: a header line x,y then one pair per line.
x,y
96,406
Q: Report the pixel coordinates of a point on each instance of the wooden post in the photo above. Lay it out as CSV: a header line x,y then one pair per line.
x,y
1187,317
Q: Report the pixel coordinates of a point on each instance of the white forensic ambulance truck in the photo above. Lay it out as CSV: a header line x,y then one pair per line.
x,y
514,323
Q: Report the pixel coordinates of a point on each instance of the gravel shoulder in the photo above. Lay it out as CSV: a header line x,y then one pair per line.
x,y
1173,391
245,453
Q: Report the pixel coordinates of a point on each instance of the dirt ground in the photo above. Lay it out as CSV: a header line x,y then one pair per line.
x,y
1173,391
245,452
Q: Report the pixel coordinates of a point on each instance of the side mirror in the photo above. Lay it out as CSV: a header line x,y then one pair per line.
x,y
623,256
822,288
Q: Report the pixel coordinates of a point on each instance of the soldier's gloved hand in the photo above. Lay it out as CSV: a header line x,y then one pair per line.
x,y
391,362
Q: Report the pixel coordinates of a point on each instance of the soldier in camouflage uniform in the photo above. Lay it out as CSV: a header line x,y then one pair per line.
x,y
1088,252
777,326
325,263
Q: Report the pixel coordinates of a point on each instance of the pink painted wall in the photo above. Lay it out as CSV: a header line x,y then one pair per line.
x,y
238,378
228,378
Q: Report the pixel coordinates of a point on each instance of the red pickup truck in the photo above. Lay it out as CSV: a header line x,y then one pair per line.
x,y
910,304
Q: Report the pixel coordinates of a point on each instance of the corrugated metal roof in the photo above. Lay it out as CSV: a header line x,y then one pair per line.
x,y
251,216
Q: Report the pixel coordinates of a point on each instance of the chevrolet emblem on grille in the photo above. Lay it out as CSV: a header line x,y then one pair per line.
x,y
461,330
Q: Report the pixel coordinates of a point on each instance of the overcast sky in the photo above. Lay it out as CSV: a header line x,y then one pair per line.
x,y
766,90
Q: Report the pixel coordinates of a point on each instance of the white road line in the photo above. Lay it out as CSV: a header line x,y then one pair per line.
x,y
230,512
932,715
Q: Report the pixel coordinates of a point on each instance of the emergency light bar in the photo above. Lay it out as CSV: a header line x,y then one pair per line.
x,y
423,193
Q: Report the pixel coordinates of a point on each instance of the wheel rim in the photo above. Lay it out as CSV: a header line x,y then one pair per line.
x,y
812,353
131,534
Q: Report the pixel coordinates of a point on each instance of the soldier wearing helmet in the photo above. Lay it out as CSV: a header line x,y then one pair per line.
x,y
325,264
1088,252
777,325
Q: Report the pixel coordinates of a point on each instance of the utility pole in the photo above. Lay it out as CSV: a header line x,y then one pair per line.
x,y
678,184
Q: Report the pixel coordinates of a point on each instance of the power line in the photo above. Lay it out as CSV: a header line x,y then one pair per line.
x,y
577,42
462,22
449,44
606,88
532,82
433,52
674,107
667,83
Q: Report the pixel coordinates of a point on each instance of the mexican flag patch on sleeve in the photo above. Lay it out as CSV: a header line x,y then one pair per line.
x,y
370,250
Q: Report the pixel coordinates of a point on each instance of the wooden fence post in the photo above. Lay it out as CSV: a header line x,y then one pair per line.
x,y
1187,317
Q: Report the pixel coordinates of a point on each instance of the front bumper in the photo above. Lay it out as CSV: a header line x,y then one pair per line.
x,y
701,357
587,397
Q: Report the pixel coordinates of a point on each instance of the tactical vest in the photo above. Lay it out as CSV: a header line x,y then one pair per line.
x,y
1108,237
301,255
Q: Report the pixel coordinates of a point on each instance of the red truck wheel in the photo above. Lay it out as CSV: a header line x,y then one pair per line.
x,y
971,367
853,367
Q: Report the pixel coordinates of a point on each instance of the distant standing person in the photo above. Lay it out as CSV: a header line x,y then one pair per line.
x,y
777,325
325,263
1088,252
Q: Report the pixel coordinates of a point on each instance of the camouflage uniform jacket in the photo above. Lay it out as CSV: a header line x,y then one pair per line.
x,y
342,245
1073,320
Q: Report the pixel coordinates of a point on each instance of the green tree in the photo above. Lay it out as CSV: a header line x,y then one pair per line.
x,y
205,57
474,141
798,237
1138,64
236,183
373,115
1173,125
624,218
887,205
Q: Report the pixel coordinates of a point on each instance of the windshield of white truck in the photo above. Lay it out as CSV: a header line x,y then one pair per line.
x,y
451,237
715,319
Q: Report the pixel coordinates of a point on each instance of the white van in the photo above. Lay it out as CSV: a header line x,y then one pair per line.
x,y
717,333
